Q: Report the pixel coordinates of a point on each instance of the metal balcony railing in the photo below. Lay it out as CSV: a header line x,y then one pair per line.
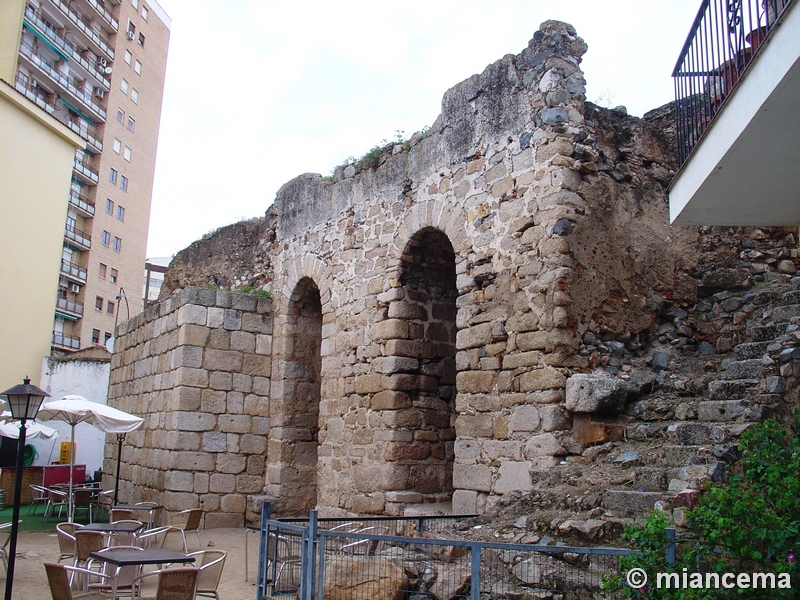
x,y
24,86
93,33
72,270
75,87
66,341
38,18
75,308
81,202
724,40
79,237
85,168
107,16
82,128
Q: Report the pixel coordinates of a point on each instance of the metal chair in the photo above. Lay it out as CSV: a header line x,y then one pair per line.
x,y
86,542
59,577
150,513
65,532
283,552
82,501
5,538
125,576
177,583
123,538
38,496
366,547
104,500
119,514
183,521
55,499
211,563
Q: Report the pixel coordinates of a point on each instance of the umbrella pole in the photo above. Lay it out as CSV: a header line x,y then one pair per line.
x,y
70,507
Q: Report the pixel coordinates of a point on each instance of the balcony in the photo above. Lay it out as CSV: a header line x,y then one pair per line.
x,y
79,238
85,170
36,17
66,342
107,16
82,128
74,309
737,81
75,89
81,203
73,272
92,33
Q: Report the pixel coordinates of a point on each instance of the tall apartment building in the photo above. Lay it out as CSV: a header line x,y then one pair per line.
x,y
98,67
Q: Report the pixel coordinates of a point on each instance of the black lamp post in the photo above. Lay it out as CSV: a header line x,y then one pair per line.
x,y
24,401
120,439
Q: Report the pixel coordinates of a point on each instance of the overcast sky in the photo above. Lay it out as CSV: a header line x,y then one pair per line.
x,y
260,91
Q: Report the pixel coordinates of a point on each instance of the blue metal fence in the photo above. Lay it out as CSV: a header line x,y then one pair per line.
x,y
399,557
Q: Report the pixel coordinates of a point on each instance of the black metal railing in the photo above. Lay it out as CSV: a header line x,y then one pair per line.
x,y
76,235
725,38
81,202
83,23
73,270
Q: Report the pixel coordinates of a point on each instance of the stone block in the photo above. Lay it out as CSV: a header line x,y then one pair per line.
x,y
473,337
406,310
521,359
222,360
190,421
186,398
475,381
219,380
465,502
256,323
394,364
191,377
253,444
192,314
214,441
191,461
555,417
389,329
216,317
588,393
548,378
472,477
235,423
588,431
193,335
407,452
477,426
187,356
514,476
221,483
533,340
179,481
231,463
243,341
544,444
232,320
631,503
524,418
256,366
263,344
368,384
390,400
213,401
466,450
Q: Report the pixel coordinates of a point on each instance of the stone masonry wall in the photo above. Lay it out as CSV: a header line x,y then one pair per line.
x,y
197,367
426,311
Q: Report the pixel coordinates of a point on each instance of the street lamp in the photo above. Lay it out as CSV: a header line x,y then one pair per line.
x,y
120,439
24,401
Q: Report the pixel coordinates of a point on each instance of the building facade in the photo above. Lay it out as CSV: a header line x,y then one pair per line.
x,y
99,68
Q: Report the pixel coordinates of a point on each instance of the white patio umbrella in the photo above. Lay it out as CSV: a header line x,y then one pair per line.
x,y
74,409
10,429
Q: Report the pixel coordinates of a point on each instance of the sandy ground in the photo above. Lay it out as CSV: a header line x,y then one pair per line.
x,y
37,547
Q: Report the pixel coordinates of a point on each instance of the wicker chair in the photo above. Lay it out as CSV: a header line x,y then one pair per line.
x,y
124,538
86,542
38,496
58,576
82,501
177,583
125,576
120,514
211,563
55,499
66,540
183,521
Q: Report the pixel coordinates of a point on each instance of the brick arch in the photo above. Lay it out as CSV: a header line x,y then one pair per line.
x,y
297,386
448,218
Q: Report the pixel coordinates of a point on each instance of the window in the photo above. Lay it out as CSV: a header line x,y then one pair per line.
x,y
106,337
109,206
123,184
106,238
103,271
117,244
141,40
113,277
123,84
120,213
98,303
145,13
127,154
120,115
117,145
112,176
131,124
135,3
95,336
110,307
135,95
137,66
128,57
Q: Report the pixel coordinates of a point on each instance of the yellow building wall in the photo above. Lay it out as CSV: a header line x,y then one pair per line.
x,y
11,12
36,157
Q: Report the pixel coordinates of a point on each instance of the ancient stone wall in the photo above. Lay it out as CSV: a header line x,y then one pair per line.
x,y
426,313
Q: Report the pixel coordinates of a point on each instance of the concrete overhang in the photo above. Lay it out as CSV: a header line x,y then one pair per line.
x,y
746,169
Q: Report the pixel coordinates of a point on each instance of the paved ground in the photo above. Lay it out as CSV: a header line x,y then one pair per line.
x,y
36,547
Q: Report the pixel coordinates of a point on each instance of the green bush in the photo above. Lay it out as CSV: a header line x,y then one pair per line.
x,y
748,524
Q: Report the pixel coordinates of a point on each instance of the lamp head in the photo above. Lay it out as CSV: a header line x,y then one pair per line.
x,y
25,400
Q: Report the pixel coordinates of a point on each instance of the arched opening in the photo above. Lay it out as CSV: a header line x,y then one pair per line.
x,y
428,281
294,422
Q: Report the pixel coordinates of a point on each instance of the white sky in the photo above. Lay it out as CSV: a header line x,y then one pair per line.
x,y
260,91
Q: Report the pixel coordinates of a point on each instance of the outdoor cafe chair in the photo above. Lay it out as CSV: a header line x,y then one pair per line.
x,y
38,496
153,506
124,576
211,563
65,532
59,577
85,542
183,521
104,500
178,583
283,553
120,514
367,547
5,538
82,500
55,499
123,538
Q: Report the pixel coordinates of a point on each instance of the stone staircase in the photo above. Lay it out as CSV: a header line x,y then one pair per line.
x,y
696,430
